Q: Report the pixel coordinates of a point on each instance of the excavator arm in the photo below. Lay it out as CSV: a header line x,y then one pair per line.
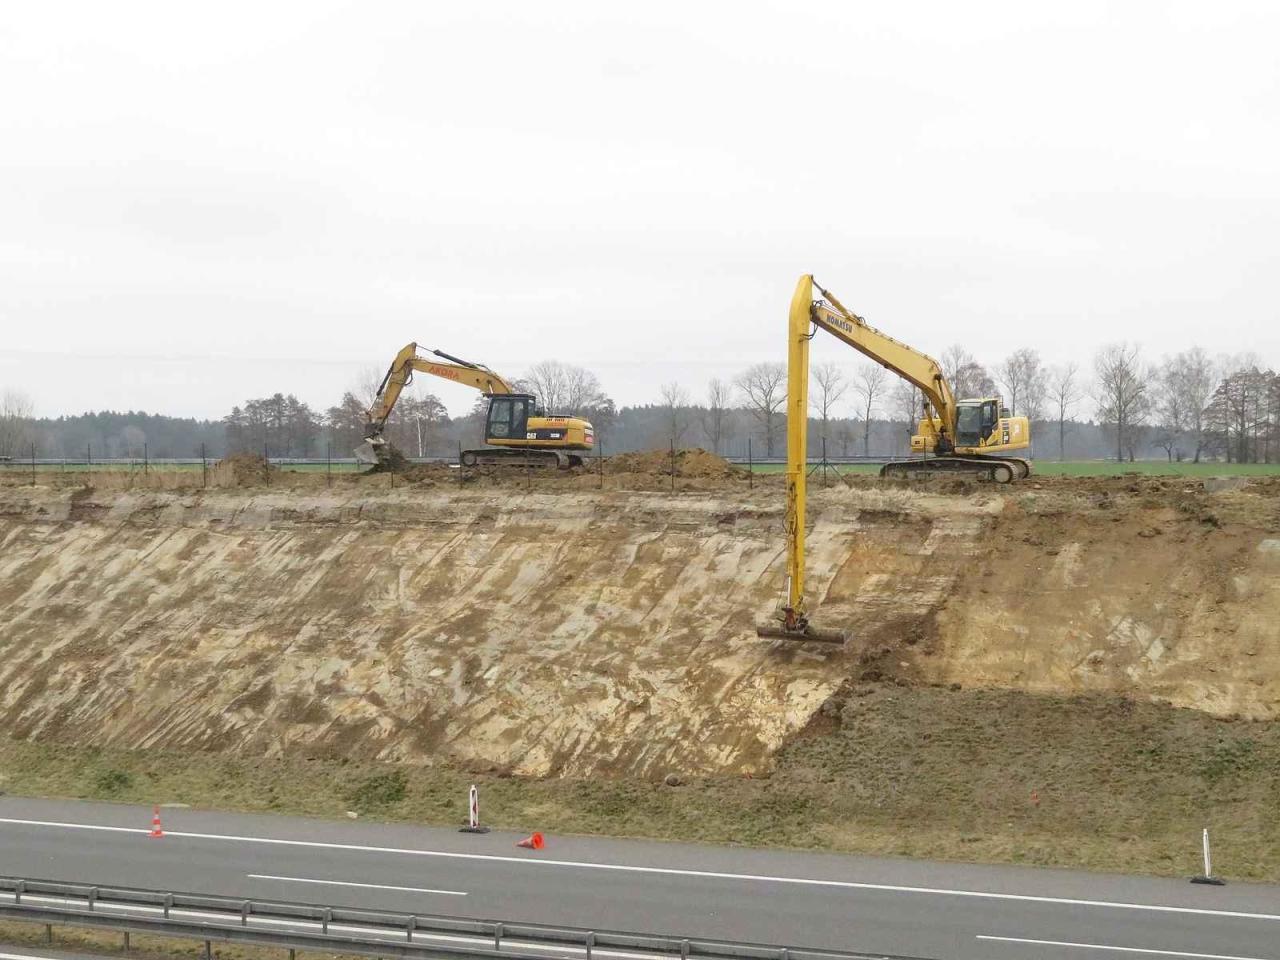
x,y
792,615
400,374
910,364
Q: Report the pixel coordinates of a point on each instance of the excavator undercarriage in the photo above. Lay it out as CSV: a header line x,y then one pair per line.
x,y
993,469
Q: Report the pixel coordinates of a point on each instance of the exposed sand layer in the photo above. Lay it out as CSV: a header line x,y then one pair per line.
x,y
569,631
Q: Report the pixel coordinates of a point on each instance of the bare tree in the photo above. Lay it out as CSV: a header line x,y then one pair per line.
x,y
831,386
1187,382
1122,392
764,386
420,420
563,388
713,416
16,428
869,386
953,359
906,404
1019,375
133,441
1063,389
675,406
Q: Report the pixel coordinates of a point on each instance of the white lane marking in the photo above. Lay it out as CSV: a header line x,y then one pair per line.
x,y
366,886
1103,946
666,871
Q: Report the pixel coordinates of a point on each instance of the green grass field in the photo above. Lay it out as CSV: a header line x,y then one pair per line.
x,y
1044,468
1094,468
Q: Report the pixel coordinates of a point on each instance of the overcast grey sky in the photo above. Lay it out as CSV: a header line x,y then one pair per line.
x,y
204,203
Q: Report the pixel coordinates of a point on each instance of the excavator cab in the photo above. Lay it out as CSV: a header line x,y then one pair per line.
x,y
509,417
976,421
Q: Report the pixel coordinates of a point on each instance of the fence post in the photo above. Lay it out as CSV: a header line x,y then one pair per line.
x,y
751,470
204,468
459,463
88,460
266,464
673,464
328,463
600,463
33,464
145,459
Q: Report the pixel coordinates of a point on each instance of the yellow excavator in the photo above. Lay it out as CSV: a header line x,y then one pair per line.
x,y
969,437
516,431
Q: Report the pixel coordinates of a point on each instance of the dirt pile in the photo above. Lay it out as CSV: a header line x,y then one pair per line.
x,y
695,463
242,470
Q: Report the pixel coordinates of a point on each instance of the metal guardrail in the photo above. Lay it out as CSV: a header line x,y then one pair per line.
x,y
304,926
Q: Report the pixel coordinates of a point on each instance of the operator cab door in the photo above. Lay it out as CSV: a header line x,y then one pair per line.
x,y
990,417
508,419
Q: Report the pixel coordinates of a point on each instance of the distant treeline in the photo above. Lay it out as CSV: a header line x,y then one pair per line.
x,y
1188,406
132,434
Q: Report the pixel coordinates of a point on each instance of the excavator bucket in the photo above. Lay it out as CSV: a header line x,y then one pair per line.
x,y
805,634
786,625
367,453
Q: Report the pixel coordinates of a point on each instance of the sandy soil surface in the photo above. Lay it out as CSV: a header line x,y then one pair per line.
x,y
553,628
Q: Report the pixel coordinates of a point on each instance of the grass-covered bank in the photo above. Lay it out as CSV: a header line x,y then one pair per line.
x,y
1094,782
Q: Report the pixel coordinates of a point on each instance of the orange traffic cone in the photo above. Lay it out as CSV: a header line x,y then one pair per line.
x,y
532,842
156,831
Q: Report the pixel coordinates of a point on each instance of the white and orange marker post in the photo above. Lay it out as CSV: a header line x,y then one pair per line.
x,y
473,813
1207,876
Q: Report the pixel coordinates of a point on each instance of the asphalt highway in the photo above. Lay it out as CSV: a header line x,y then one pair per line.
x,y
904,907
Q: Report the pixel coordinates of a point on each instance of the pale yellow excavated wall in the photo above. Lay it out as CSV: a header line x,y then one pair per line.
x,y
577,633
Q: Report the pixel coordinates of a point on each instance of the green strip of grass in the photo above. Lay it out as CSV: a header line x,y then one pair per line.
x,y
1088,468
1095,782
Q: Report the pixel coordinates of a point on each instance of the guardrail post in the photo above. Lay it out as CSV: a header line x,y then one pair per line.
x,y
784,954
48,933
684,950
497,936
93,896
168,904
126,941
244,913
591,942
18,889
413,922
324,920
208,950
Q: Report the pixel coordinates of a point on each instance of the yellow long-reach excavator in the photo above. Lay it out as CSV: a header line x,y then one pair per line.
x,y
970,437
516,431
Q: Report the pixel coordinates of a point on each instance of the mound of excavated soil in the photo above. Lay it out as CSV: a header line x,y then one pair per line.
x,y
241,470
694,463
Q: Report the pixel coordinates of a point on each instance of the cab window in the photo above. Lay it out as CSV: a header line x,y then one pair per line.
x,y
507,418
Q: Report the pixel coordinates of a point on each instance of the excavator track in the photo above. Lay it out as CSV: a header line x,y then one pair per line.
x,y
524,458
993,469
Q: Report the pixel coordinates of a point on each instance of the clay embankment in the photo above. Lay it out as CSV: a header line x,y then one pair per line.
x,y
569,631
